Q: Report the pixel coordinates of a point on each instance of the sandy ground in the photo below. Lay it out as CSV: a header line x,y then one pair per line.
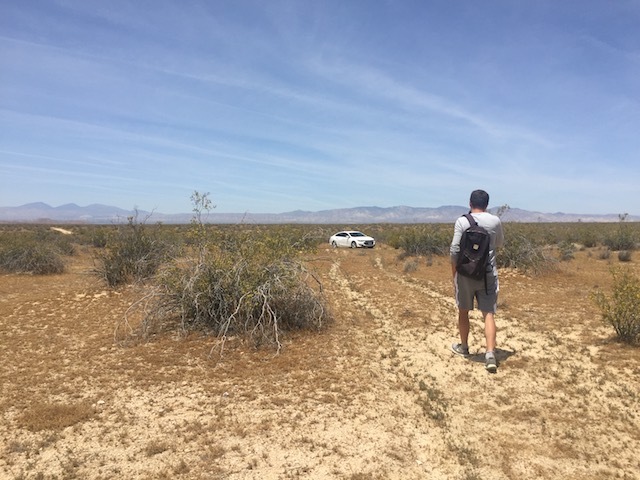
x,y
378,395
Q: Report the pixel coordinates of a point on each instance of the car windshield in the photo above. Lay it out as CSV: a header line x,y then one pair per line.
x,y
357,234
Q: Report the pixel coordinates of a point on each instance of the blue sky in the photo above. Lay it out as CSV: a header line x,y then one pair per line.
x,y
273,106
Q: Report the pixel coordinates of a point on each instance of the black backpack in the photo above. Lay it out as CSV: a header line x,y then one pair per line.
x,y
474,251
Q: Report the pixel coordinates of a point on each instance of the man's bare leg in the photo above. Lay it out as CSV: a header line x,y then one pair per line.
x,y
491,363
463,326
462,348
489,330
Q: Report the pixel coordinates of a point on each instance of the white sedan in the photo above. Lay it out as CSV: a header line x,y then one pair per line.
x,y
353,239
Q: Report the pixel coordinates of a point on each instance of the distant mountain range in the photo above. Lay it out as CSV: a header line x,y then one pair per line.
x,y
105,214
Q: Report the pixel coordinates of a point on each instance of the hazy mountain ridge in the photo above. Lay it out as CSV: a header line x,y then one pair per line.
x,y
105,214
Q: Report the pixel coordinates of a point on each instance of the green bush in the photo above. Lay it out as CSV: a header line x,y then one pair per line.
x,y
621,309
133,253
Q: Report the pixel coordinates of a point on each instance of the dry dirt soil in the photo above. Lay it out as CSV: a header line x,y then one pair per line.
x,y
377,395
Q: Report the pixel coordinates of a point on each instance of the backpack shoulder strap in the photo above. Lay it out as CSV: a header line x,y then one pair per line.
x,y
469,217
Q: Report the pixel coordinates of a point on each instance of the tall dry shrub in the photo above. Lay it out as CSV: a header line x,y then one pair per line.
x,y
246,284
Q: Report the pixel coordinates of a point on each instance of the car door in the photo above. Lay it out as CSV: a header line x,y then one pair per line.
x,y
343,239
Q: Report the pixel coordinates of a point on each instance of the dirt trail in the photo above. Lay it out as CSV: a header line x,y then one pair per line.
x,y
412,326
377,395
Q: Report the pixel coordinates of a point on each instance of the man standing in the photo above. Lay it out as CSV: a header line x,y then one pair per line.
x,y
484,291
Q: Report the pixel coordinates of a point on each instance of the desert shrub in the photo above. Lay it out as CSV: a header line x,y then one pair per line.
x,y
620,241
263,243
585,234
604,254
566,251
134,252
623,237
624,255
422,240
587,237
621,309
99,237
32,252
62,243
519,252
410,266
96,236
238,281
31,257
258,293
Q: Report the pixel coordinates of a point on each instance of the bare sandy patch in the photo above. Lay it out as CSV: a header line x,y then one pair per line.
x,y
62,230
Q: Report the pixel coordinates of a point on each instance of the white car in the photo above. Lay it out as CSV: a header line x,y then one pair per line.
x,y
352,239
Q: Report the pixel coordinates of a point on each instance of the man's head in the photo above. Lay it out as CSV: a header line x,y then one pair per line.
x,y
479,199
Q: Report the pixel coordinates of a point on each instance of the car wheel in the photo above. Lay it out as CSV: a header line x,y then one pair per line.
x,y
334,244
353,245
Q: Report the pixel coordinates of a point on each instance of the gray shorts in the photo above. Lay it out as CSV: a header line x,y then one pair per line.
x,y
469,289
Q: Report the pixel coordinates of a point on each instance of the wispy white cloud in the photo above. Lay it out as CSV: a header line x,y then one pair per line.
x,y
281,105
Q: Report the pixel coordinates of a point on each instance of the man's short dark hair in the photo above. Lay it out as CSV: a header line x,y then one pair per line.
x,y
479,199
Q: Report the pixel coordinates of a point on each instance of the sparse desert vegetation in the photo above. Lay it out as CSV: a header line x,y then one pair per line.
x,y
621,309
374,393
36,250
